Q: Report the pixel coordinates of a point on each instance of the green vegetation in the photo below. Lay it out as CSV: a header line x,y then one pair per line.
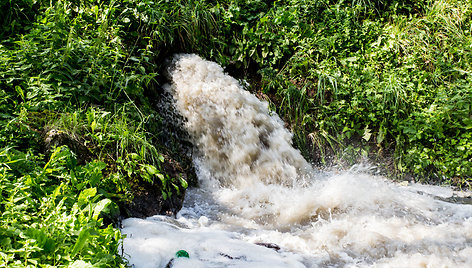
x,y
397,79
354,78
52,214
78,68
372,78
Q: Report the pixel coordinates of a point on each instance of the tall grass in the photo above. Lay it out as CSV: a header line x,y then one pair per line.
x,y
77,66
381,74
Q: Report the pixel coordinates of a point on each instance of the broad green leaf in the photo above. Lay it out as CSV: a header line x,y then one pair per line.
x,y
86,194
100,206
81,241
152,170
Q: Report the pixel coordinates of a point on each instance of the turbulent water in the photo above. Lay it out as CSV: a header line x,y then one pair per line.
x,y
260,204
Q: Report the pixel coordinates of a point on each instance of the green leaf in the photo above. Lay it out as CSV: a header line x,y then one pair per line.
x,y
161,177
100,206
381,135
85,195
93,126
367,134
5,242
81,241
183,182
81,264
152,170
19,90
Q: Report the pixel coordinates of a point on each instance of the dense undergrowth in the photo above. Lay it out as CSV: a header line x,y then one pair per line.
x,y
383,79
79,68
366,78
395,77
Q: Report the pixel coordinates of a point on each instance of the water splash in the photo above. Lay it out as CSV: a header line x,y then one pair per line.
x,y
240,142
257,188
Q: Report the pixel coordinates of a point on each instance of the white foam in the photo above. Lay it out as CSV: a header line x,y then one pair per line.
x,y
255,187
239,141
153,243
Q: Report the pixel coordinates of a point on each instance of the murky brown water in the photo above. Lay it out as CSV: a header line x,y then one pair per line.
x,y
255,187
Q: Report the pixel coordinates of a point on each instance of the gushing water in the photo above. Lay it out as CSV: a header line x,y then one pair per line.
x,y
256,188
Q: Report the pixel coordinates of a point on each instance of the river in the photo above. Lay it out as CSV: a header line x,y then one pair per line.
x,y
260,204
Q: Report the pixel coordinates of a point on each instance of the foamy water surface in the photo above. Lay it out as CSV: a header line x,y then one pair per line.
x,y
256,188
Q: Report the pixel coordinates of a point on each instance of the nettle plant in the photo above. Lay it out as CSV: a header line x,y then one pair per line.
x,y
52,213
387,76
121,139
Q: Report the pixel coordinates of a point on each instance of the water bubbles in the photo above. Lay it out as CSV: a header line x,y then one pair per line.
x,y
256,188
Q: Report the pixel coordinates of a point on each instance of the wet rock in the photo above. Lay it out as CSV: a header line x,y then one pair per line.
x,y
170,264
52,138
233,258
457,200
172,134
148,199
269,245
